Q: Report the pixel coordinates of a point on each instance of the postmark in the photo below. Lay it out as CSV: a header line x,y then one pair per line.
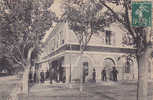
x,y
142,14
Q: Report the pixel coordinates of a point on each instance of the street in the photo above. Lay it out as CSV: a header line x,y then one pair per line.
x,y
7,84
91,91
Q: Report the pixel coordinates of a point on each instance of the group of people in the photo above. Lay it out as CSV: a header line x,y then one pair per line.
x,y
43,76
113,74
36,77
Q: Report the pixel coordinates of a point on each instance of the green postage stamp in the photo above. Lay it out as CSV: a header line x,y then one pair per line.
x,y
142,14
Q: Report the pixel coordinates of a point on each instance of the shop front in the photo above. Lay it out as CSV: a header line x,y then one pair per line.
x,y
57,71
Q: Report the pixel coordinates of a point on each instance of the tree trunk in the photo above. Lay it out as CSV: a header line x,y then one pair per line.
x,y
142,87
25,80
81,71
26,73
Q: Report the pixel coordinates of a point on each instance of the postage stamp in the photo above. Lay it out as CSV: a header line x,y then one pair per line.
x,y
142,13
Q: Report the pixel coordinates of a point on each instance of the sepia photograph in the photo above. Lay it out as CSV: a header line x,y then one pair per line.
x,y
76,50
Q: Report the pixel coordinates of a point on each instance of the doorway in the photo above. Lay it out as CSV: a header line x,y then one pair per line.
x,y
108,65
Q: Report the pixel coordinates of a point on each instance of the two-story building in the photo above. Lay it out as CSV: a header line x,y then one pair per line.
x,y
62,56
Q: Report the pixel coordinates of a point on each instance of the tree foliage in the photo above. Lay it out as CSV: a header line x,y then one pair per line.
x,y
23,23
86,18
82,19
140,36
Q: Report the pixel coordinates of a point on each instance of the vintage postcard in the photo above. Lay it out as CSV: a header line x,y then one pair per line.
x,y
76,50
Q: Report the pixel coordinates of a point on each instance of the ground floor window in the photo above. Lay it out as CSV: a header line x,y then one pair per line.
x,y
57,71
128,65
85,70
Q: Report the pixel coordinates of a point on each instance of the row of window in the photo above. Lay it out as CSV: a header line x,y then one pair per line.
x,y
58,40
109,38
55,42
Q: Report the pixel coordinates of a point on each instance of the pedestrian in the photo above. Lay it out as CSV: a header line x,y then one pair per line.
x,y
111,75
114,72
104,77
35,77
94,75
51,75
42,76
30,76
64,79
47,74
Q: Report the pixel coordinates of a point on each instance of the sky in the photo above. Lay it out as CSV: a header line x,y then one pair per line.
x,y
57,7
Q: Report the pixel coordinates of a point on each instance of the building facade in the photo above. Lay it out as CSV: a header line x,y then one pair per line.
x,y
61,55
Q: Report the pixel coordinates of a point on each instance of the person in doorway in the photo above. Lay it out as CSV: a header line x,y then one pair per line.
x,y
35,77
51,75
47,74
114,72
104,77
30,76
42,76
64,79
111,76
94,75
84,77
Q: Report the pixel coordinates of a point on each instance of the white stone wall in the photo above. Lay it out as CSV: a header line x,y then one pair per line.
x,y
96,60
99,38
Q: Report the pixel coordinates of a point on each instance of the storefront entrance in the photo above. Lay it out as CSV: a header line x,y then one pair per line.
x,y
57,71
108,65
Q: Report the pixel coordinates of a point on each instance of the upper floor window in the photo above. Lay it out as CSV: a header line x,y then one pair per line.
x,y
108,37
61,38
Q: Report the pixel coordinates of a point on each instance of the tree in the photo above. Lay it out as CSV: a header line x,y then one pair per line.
x,y
85,19
83,22
5,64
23,23
142,41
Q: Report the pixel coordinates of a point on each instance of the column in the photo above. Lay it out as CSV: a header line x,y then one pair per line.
x,y
67,67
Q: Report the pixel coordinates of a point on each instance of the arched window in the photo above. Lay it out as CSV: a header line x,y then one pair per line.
x,y
109,62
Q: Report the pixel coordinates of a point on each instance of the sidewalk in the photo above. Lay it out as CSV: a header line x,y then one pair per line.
x,y
91,91
60,91
7,86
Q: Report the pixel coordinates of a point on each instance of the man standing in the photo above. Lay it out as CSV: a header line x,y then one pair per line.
x,y
51,75
47,74
42,76
94,75
30,76
35,77
114,72
103,74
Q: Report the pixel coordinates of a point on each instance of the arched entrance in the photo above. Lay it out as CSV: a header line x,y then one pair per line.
x,y
57,71
84,68
109,63
128,67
